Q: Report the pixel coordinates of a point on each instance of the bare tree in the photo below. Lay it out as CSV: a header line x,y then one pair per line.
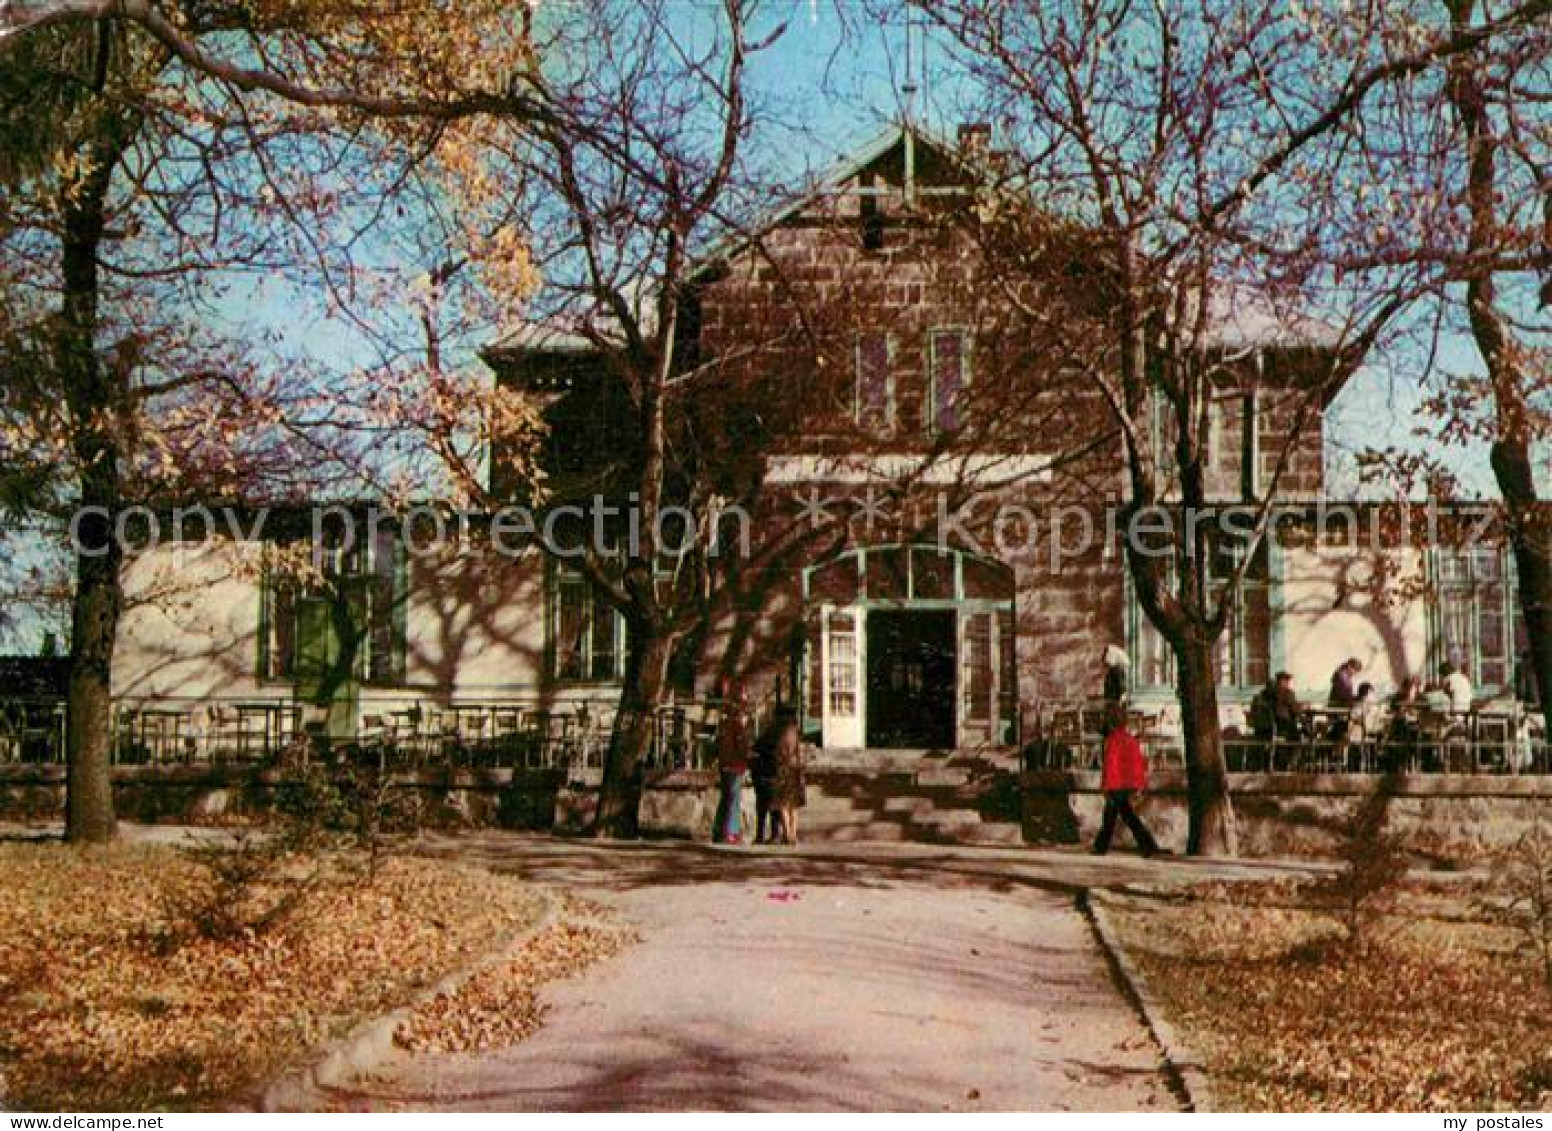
x,y
1498,175
145,184
1206,155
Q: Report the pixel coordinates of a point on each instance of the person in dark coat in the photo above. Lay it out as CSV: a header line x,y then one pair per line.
x,y
791,789
1526,687
1117,674
1276,713
762,773
1344,684
1125,774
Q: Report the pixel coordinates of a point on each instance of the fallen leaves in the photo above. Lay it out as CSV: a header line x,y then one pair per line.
x,y
96,1013
499,1006
1444,1015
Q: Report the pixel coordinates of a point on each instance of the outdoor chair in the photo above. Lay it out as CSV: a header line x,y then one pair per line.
x,y
506,733
373,739
10,733
1444,741
1494,741
445,737
1066,734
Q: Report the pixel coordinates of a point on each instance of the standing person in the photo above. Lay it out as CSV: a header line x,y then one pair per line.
x,y
732,762
1526,688
1117,674
1344,696
791,792
762,773
1125,773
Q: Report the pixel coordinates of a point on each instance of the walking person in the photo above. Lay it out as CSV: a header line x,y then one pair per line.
x,y
1125,773
732,762
791,787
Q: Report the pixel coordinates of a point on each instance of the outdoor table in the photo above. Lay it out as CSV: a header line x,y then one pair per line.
x,y
469,721
269,715
1320,725
161,732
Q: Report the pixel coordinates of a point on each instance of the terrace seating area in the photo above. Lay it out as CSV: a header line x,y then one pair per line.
x,y
1496,736
1499,736
457,733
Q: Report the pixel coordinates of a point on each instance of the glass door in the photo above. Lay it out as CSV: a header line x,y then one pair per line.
x,y
841,658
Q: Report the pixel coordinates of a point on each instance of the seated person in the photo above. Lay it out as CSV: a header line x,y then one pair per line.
x,y
1344,681
1457,685
1368,714
1404,705
1275,712
1437,697
1366,724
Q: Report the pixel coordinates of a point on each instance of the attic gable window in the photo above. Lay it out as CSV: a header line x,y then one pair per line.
x,y
871,216
874,407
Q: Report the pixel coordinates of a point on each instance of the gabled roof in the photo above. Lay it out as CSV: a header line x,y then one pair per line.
x,y
1241,317
830,179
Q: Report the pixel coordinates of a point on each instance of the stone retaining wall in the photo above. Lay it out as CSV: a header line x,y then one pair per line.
x,y
520,799
1451,815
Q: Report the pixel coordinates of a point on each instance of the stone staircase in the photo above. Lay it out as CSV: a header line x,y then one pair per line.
x,y
962,797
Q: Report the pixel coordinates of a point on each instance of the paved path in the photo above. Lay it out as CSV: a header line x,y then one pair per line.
x,y
877,978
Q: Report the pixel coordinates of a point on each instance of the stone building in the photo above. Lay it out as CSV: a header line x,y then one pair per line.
x,y
861,337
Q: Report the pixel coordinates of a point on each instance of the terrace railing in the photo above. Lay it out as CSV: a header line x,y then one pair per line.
x,y
32,730
425,733
1491,738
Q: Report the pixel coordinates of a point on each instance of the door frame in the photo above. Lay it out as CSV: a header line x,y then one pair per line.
x,y
851,731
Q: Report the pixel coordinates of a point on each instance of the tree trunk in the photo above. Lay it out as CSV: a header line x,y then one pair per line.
x,y
95,612
1528,537
92,393
1511,450
646,676
1212,831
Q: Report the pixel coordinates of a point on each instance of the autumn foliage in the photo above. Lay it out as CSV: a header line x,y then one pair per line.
x,y
96,1012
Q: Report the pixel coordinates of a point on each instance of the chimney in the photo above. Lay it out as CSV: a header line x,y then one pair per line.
x,y
975,140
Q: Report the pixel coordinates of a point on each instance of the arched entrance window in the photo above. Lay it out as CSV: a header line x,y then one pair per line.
x,y
909,646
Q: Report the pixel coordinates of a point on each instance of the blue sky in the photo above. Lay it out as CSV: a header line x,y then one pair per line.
x,y
833,87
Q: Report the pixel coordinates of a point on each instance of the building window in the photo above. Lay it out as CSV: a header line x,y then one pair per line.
x,y
875,394
587,633
355,617
1243,652
1476,619
1166,435
870,215
1230,431
948,367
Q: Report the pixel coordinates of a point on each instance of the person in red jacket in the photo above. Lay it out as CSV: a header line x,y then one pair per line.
x,y
1125,772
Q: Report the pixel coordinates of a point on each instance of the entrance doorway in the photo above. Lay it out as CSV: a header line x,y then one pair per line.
x,y
910,678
